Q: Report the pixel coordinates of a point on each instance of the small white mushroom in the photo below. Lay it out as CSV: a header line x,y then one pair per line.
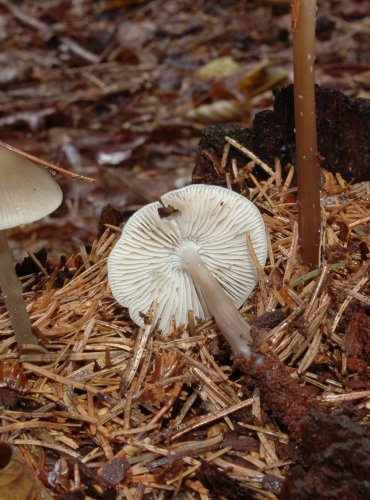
x,y
193,258
27,193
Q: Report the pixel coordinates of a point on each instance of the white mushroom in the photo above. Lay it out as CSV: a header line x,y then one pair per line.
x,y
27,193
193,258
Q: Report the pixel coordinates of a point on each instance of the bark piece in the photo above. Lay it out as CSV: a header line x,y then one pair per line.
x,y
343,126
208,168
335,461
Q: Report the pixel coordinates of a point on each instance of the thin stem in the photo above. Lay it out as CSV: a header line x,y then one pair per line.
x,y
229,320
12,291
308,172
47,164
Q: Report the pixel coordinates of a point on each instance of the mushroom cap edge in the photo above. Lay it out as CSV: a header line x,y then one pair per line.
x,y
27,191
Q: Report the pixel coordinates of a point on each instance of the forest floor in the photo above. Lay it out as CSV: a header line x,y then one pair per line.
x,y
120,91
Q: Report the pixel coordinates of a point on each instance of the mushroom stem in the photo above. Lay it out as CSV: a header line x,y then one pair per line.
x,y
227,316
308,171
12,292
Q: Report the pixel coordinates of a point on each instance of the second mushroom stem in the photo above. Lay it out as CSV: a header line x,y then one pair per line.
x,y
12,291
308,171
228,318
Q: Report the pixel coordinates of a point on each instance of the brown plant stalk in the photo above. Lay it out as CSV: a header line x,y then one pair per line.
x,y
309,219
11,288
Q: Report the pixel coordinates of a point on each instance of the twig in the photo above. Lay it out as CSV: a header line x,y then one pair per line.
x,y
342,308
67,381
45,163
251,155
337,398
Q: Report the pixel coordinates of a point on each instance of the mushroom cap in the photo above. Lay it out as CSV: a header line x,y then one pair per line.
x,y
145,264
27,191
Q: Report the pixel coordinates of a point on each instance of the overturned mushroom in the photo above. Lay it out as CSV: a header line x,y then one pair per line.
x,y
27,193
195,257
